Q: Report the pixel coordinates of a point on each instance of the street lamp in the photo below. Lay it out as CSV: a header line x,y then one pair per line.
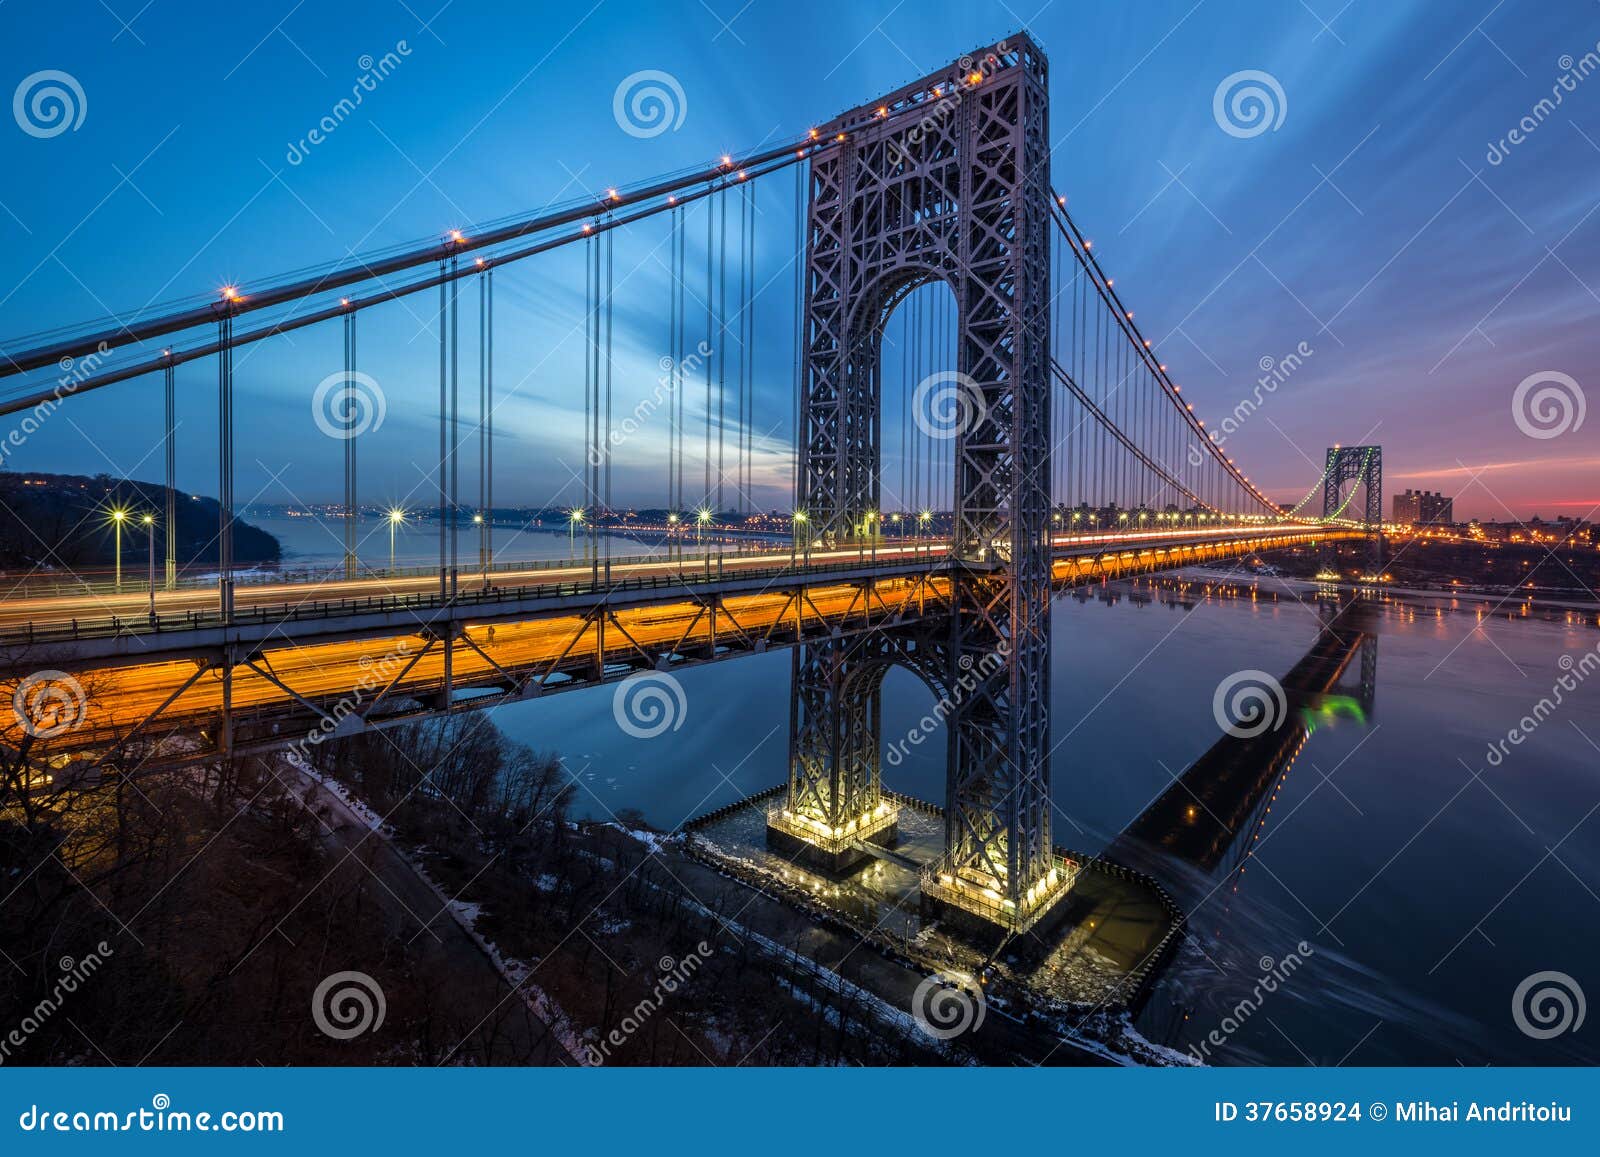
x,y
396,517
118,517
149,521
575,517
797,525
701,519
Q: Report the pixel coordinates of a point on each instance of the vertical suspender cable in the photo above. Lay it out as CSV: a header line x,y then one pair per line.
x,y
444,419
711,336
674,371
722,338
801,379
610,243
455,424
225,465
349,435
488,468
171,516
588,387
483,427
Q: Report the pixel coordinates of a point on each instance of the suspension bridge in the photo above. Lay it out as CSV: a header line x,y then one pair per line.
x,y
978,420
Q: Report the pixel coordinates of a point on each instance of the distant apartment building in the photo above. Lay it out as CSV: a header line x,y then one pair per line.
x,y
1423,508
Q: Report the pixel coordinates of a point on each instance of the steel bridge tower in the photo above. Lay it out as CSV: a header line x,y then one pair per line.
x,y
1360,466
961,195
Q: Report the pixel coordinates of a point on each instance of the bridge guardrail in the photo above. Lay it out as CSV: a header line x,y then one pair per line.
x,y
144,625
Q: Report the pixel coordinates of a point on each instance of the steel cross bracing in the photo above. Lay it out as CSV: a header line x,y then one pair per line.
x,y
1360,466
962,196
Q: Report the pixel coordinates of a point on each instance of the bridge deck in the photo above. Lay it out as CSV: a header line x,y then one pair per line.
x,y
350,666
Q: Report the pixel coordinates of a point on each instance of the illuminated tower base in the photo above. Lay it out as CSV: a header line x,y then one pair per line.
x,y
833,850
977,908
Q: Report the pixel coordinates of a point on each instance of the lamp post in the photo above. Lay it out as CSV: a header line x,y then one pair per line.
x,y
118,517
574,517
701,519
149,521
797,525
396,517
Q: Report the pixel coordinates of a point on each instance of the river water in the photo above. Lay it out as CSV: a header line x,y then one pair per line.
x,y
1379,901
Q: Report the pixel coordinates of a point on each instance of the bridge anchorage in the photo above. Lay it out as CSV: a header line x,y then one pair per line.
x,y
961,195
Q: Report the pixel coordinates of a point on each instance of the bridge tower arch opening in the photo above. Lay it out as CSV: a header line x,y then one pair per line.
x,y
1349,470
948,177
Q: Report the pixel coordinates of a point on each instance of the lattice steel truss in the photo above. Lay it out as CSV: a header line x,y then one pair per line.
x,y
959,194
1360,466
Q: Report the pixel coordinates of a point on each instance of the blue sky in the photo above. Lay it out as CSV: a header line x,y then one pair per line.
x,y
1371,224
